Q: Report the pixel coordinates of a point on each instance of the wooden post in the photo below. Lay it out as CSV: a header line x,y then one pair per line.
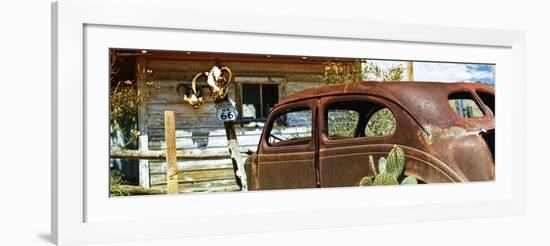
x,y
171,160
234,151
410,71
144,171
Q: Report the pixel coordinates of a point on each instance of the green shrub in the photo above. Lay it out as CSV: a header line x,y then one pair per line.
x,y
117,185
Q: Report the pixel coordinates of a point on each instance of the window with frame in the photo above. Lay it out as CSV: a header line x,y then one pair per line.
x,y
292,127
464,105
352,119
258,100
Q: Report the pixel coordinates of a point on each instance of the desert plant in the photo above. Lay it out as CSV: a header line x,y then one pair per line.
x,y
337,72
372,71
390,170
117,185
126,98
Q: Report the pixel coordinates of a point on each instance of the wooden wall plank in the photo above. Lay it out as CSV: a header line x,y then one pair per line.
x,y
160,167
214,186
195,176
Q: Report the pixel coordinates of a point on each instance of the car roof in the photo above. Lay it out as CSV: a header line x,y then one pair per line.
x,y
425,101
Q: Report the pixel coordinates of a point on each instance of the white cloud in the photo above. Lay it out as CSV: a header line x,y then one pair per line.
x,y
440,72
444,72
450,72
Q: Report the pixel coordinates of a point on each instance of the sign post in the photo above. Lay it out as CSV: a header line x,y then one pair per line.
x,y
217,82
226,112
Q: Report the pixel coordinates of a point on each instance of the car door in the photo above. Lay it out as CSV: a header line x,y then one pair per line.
x,y
287,153
346,140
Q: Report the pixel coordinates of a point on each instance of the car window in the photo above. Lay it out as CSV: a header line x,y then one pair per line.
x,y
488,99
358,118
381,123
291,128
464,105
342,123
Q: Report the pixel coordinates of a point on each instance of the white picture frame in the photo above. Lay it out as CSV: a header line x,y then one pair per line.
x,y
82,211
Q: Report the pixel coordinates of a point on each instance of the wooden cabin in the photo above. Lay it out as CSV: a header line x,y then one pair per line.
x,y
259,82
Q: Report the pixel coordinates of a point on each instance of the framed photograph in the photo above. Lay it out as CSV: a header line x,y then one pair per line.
x,y
169,127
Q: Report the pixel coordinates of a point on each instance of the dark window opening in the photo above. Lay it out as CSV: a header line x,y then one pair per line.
x,y
124,67
465,105
488,99
258,100
489,138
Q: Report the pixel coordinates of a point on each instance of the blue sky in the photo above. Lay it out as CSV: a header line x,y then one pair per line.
x,y
447,72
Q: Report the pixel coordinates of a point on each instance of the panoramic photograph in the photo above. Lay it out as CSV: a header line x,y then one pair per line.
x,y
185,122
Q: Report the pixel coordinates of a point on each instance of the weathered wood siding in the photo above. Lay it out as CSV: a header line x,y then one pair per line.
x,y
200,126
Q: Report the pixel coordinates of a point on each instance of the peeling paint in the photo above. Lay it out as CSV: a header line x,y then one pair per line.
x,y
435,134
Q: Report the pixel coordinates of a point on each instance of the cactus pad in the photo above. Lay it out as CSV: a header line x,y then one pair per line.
x,y
371,165
389,170
409,180
366,181
382,165
385,179
395,164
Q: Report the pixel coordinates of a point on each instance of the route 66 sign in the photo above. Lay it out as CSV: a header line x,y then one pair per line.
x,y
225,111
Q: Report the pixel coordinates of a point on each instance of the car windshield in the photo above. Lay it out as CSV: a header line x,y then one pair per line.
x,y
291,128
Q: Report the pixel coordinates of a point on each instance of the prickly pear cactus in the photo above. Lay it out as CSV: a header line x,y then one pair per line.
x,y
395,164
385,179
366,181
390,169
382,165
409,181
371,164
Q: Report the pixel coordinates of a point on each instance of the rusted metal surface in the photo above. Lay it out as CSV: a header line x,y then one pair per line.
x,y
439,144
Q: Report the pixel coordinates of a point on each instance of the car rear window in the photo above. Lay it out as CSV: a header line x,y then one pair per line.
x,y
465,105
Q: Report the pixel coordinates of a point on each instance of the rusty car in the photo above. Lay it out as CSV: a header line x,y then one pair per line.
x,y
321,137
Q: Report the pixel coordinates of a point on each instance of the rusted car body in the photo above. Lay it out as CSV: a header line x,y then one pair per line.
x,y
440,144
